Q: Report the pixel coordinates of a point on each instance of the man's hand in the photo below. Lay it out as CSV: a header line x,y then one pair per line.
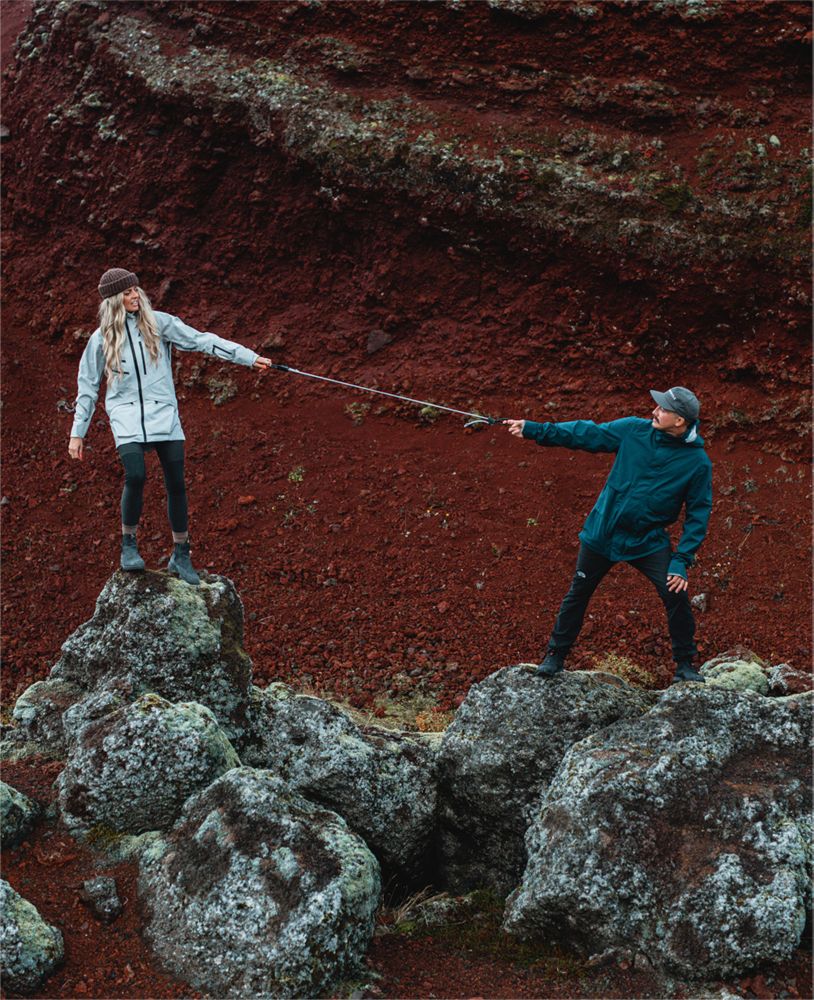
x,y
76,448
676,583
515,427
262,364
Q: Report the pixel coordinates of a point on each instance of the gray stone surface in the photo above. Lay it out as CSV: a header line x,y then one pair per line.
x,y
39,709
17,815
381,782
257,892
30,949
501,750
152,632
102,897
132,770
684,835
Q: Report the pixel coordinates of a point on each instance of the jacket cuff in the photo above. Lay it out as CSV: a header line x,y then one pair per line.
x,y
246,357
677,567
532,429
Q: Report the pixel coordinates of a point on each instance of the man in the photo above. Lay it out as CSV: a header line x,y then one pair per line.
x,y
660,466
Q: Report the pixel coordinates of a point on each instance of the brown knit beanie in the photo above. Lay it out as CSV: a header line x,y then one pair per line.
x,y
116,280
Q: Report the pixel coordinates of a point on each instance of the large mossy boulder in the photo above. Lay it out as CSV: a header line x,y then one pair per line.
x,y
30,949
381,782
151,632
684,834
257,892
131,770
501,751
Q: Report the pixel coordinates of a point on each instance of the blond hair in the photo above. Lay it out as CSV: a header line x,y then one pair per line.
x,y
112,316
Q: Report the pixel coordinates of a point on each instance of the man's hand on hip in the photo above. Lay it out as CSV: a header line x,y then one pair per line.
x,y
676,583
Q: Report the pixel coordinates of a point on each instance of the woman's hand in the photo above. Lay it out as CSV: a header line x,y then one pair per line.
x,y
262,364
515,427
676,583
76,448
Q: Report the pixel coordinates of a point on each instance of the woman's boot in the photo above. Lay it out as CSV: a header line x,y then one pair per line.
x,y
181,564
131,560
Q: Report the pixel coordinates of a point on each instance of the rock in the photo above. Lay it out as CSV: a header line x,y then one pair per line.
x,y
739,669
101,896
30,949
153,632
258,892
684,834
784,679
382,783
133,769
701,602
17,815
39,709
376,340
110,698
505,743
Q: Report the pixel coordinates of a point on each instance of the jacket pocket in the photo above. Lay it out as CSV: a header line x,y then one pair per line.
x,y
124,421
662,510
160,417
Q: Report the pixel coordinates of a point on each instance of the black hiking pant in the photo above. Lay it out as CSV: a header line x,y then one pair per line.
x,y
591,568
171,456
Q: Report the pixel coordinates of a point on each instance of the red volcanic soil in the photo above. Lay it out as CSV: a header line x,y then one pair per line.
x,y
384,555
13,14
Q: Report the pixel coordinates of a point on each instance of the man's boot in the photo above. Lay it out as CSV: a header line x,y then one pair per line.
x,y
554,663
130,559
686,672
181,564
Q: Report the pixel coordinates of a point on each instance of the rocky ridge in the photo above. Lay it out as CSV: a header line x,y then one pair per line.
x,y
670,827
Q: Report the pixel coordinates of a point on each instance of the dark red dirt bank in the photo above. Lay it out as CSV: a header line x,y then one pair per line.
x,y
608,202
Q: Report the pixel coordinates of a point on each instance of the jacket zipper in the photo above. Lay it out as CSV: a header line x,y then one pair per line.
x,y
138,379
143,362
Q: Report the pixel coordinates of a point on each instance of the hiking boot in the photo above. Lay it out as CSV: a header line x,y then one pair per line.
x,y
181,564
686,672
131,560
554,663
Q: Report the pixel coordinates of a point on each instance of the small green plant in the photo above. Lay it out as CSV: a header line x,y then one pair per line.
x,y
532,522
296,475
750,486
221,389
357,412
428,414
675,197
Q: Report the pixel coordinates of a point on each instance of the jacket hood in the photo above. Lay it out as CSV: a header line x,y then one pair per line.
x,y
691,437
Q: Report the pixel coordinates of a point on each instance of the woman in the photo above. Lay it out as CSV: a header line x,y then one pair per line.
x,y
133,349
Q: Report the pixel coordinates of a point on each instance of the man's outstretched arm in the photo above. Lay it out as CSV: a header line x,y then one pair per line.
x,y
584,435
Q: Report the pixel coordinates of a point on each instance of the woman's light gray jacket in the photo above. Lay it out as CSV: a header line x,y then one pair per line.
x,y
141,405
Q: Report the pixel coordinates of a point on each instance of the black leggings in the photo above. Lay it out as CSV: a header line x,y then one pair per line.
x,y
171,456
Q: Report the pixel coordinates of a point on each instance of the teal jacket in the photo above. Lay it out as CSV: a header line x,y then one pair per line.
x,y
653,476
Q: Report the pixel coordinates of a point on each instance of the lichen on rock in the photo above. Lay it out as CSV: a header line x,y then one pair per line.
x,y
131,770
154,633
684,834
258,892
501,750
17,815
382,783
30,949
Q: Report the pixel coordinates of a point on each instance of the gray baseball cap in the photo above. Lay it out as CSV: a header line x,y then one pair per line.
x,y
679,400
